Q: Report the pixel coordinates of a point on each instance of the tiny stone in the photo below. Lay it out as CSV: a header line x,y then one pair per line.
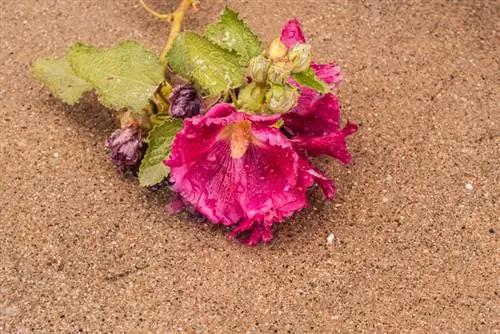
x,y
330,239
56,155
469,186
385,199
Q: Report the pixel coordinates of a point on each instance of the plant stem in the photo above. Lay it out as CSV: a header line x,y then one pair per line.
x,y
175,18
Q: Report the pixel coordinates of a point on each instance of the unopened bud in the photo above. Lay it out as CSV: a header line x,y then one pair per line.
x,y
251,97
258,69
277,49
300,56
281,99
185,102
279,73
126,145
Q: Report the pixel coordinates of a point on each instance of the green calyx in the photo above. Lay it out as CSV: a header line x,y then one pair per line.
x,y
300,56
281,98
252,97
258,68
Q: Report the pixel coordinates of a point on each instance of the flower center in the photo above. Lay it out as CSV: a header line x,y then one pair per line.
x,y
240,136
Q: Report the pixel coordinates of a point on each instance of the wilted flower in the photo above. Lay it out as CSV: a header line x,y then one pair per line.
x,y
300,56
185,102
281,99
126,147
257,69
277,49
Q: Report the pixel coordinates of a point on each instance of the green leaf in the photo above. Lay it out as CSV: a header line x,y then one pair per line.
x,y
58,75
124,76
211,67
232,33
152,170
309,79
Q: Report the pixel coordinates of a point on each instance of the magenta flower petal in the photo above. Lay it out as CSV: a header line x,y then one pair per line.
x,y
292,34
312,174
318,132
231,167
259,229
322,118
333,145
251,232
329,73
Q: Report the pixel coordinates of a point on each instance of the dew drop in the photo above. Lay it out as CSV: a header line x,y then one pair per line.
x,y
211,157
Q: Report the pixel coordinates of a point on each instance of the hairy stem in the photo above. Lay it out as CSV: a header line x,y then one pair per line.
x,y
175,18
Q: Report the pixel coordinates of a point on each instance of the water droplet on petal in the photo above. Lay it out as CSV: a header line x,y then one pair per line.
x,y
211,157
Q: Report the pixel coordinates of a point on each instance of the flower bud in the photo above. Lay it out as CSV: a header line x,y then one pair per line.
x,y
126,147
251,97
279,73
281,99
300,56
277,49
184,102
258,69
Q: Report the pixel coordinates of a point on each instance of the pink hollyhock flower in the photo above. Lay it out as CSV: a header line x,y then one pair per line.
x,y
238,170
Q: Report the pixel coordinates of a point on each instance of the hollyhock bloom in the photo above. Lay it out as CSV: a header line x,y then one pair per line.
x,y
185,102
126,147
236,169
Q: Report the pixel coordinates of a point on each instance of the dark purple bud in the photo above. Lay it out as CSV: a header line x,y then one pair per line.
x,y
126,147
185,102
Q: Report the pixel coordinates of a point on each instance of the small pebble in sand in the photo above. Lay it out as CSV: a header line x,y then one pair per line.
x,y
330,239
469,186
56,155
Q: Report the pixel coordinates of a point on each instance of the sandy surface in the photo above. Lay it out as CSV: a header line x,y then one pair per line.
x,y
415,218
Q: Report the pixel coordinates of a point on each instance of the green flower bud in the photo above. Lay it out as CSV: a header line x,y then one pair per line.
x,y
251,97
281,99
258,69
277,49
300,56
279,73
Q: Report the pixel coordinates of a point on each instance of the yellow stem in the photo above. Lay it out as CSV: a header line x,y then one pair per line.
x,y
176,19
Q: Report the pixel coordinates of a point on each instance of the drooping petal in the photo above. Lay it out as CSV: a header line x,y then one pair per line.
x,y
231,166
291,34
312,174
322,118
252,231
333,145
318,132
329,73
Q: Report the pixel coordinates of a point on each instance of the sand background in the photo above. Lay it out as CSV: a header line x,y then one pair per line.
x,y
415,218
